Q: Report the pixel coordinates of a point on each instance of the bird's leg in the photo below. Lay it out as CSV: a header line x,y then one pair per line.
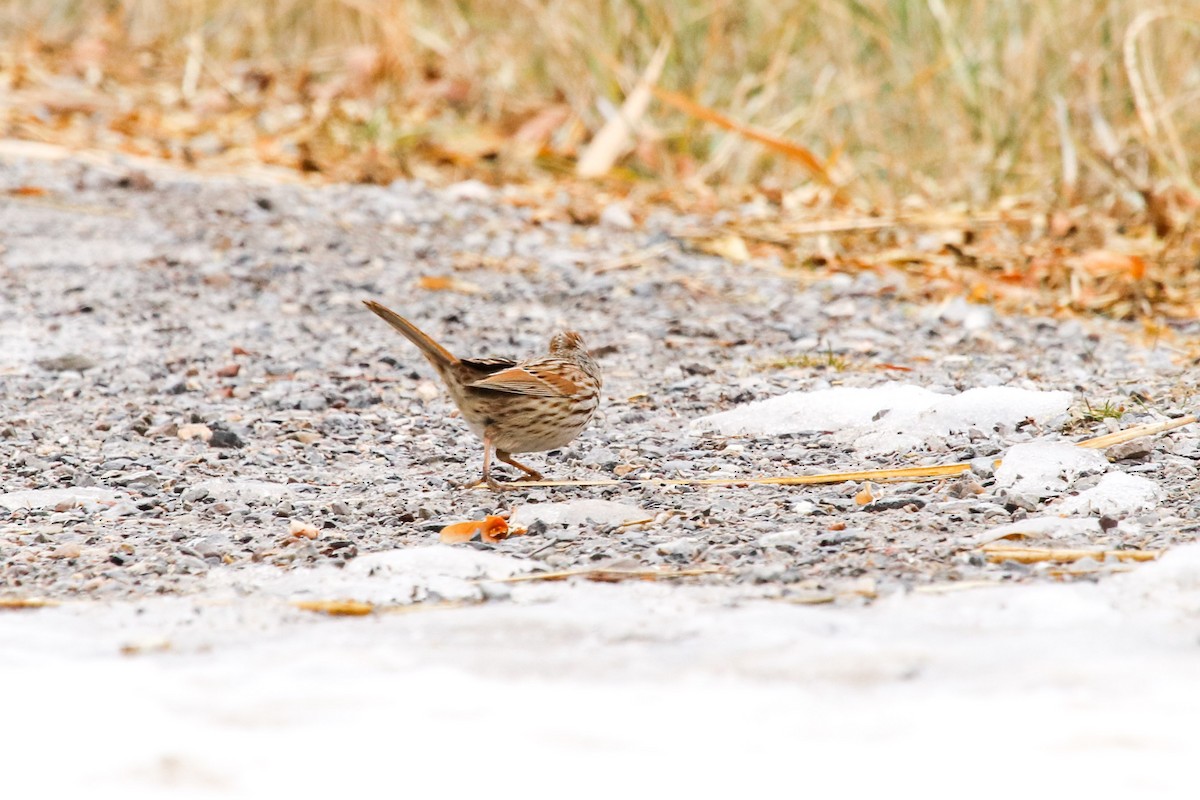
x,y
487,478
533,474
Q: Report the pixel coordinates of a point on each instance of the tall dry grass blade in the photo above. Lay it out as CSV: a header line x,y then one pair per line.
x,y
1136,432
877,475
1147,115
1032,555
1066,146
785,148
616,137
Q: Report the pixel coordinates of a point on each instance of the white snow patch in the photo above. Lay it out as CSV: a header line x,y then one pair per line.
x,y
982,408
577,512
822,410
242,684
1116,493
88,497
399,576
1038,470
891,418
457,562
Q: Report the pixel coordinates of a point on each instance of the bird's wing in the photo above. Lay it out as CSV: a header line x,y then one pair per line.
x,y
488,365
528,379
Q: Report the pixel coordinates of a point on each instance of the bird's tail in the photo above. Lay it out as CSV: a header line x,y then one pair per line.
x,y
439,356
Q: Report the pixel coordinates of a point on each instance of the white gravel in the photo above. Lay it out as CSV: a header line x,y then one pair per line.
x,y
177,662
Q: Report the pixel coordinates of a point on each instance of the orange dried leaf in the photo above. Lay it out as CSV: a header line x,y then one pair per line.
x,y
447,283
1100,263
491,530
27,191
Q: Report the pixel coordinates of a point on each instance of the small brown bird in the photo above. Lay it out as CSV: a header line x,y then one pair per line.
x,y
514,406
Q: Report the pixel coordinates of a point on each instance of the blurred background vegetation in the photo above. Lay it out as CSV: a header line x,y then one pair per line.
x,y
970,101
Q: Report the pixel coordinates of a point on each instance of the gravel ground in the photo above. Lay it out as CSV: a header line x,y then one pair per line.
x,y
190,359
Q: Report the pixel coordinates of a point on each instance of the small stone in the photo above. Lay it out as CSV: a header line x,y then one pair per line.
x,y
142,478
1135,450
67,363
194,493
493,590
68,550
209,546
225,438
679,548
616,215
565,534
303,530
312,401
195,430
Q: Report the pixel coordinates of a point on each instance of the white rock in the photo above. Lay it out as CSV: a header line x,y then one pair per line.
x,y
1046,469
577,512
1035,528
1117,493
780,537
88,497
616,215
470,190
246,490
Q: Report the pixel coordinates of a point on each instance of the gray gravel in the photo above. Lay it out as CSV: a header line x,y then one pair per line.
x,y
196,355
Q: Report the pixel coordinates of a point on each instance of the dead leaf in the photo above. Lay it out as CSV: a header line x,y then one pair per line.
x,y
1105,263
229,371
491,529
730,246
865,496
447,283
27,191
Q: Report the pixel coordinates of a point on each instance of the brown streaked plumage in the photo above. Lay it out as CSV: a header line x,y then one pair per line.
x,y
525,406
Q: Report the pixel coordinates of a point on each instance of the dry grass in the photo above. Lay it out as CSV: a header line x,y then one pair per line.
x,y
1038,156
944,101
